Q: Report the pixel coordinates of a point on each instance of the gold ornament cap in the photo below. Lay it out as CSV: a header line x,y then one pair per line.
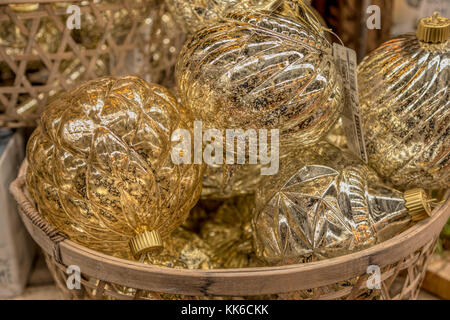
x,y
418,204
148,241
435,29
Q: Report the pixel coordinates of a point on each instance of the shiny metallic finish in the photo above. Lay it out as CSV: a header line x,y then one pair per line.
x,y
324,203
100,168
183,250
262,72
406,112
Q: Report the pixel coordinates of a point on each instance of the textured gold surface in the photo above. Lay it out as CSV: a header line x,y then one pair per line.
x,y
435,29
324,203
185,250
229,233
404,96
100,168
262,72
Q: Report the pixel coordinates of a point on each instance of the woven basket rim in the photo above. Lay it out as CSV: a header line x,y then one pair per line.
x,y
233,282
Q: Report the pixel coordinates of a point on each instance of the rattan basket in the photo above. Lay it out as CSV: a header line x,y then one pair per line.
x,y
40,56
402,261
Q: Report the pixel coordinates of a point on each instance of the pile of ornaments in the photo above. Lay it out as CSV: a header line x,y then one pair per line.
x,y
101,164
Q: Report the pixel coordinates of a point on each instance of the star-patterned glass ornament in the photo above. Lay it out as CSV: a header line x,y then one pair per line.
x,y
326,203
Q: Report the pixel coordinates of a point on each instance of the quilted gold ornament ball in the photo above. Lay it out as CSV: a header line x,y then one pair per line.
x,y
100,168
262,71
405,106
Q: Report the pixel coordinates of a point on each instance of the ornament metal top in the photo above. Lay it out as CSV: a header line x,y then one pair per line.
x,y
405,106
262,71
100,167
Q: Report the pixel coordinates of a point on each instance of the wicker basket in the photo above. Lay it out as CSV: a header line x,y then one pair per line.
x,y
40,56
402,260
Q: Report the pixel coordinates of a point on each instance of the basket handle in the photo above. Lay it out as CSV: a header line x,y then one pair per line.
x,y
18,191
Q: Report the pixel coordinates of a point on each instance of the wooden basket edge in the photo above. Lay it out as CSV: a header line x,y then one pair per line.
x,y
237,282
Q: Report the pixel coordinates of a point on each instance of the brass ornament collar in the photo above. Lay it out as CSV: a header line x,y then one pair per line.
x,y
148,241
418,204
434,29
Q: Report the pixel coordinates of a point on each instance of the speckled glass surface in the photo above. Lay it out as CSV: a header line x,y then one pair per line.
x,y
323,203
406,111
262,72
100,168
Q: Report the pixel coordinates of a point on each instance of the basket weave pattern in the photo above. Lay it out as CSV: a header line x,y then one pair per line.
x,y
400,281
55,61
402,260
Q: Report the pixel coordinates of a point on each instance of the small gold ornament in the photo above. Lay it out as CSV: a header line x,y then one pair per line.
x,y
229,234
100,167
262,71
405,107
183,250
326,203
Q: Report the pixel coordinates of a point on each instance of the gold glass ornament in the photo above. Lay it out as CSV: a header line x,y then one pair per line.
x,y
326,203
183,250
262,71
229,234
100,167
194,15
405,106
